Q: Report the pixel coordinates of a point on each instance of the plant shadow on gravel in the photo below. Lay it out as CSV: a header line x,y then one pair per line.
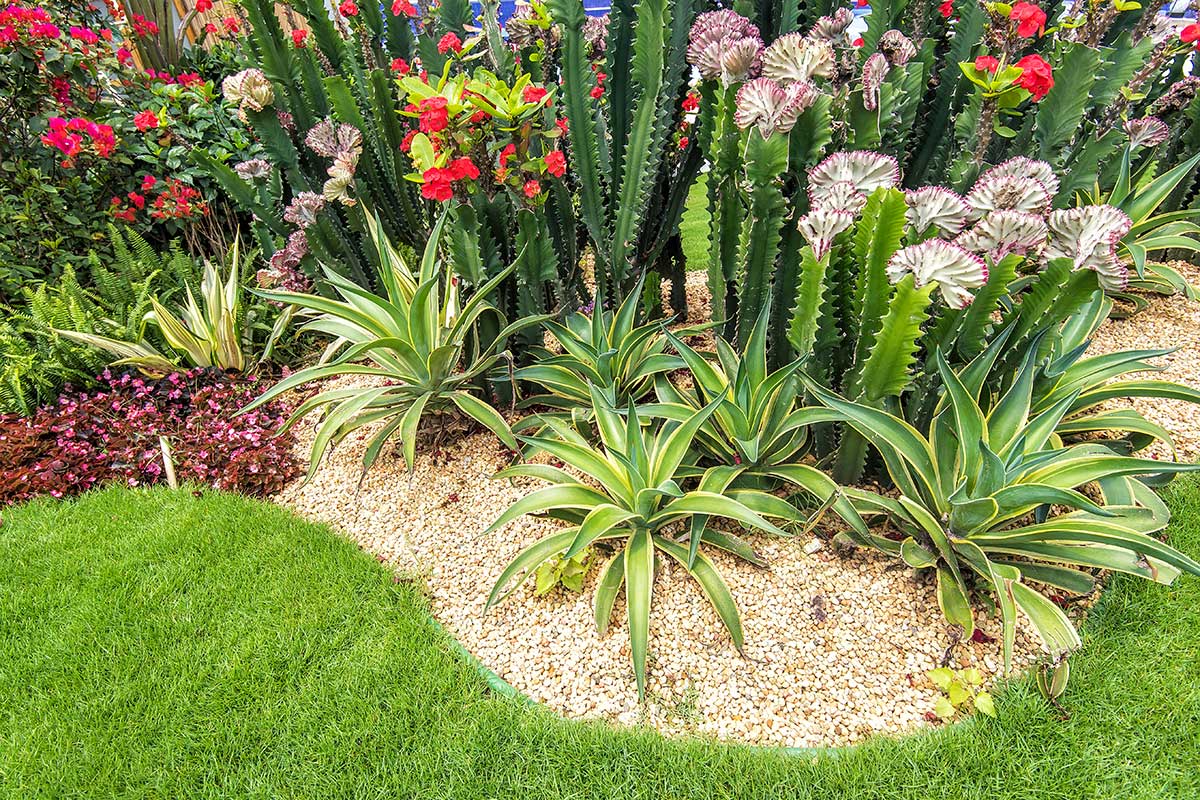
x,y
158,643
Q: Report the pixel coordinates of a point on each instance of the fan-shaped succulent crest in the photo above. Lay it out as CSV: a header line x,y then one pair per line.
x,y
820,225
1011,192
957,271
794,57
874,73
1089,236
837,196
1022,167
725,45
1005,231
249,89
1146,132
938,207
834,26
896,47
864,170
771,106
328,138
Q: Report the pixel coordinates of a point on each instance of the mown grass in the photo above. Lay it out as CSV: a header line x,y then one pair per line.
x,y
693,227
161,644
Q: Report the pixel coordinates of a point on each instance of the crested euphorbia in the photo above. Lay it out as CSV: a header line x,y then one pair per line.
x,y
862,170
955,270
1005,231
938,208
1089,236
724,44
774,108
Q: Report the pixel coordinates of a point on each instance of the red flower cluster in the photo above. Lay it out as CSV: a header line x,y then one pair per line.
x,y
347,8
143,27
111,434
533,94
449,42
145,120
203,6
556,163
598,90
946,9
67,136
299,36
691,102
175,200
1030,19
433,115
36,23
439,181
1036,77
404,7
987,64
1190,34
400,66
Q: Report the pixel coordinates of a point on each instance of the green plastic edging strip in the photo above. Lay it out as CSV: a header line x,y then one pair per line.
x,y
506,689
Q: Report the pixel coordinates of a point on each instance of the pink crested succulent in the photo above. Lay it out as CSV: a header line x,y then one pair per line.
x,y
864,170
874,72
897,48
1146,132
1089,236
837,196
725,45
794,57
937,207
774,108
1011,192
821,225
1022,167
328,138
1003,232
957,271
833,27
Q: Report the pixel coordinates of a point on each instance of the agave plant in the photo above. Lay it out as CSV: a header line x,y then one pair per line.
x,y
756,423
636,506
975,500
418,339
603,349
205,334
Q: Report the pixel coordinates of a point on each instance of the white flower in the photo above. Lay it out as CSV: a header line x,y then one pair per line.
x,y
874,73
1146,132
956,270
1022,167
1003,232
1011,192
837,196
938,207
792,57
866,171
820,225
774,108
1089,236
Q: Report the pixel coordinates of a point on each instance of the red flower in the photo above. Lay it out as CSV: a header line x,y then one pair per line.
x,y
210,27
986,64
433,115
1036,77
450,42
683,142
298,37
1029,18
148,183
400,66
946,8
437,185
406,145
691,102
145,120
203,6
347,8
231,24
556,163
532,188
858,42
533,94
509,151
861,3
597,92
562,124
1190,33
138,200
404,7
461,168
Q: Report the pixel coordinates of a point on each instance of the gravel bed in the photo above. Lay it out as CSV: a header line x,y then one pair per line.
x,y
837,644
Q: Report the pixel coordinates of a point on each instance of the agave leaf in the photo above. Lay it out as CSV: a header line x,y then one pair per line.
x,y
611,578
639,586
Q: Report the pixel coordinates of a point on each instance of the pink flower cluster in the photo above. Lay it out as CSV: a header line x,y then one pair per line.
x,y
111,434
68,137
36,23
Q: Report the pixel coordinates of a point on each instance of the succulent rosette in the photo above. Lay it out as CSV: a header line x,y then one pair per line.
x,y
725,45
1089,236
1146,132
955,270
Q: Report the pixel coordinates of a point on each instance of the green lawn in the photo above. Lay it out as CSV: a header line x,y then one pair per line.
x,y
693,228
159,644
